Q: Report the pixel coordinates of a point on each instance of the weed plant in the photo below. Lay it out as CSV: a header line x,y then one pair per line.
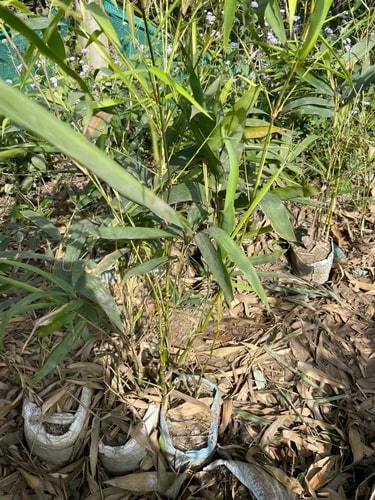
x,y
186,135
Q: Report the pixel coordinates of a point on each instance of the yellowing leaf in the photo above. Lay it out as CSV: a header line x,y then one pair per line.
x,y
261,131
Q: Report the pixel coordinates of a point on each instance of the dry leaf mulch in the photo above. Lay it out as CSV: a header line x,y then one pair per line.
x,y
297,382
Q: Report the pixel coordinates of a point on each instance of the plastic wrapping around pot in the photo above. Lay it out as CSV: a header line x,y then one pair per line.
x,y
314,264
128,457
180,459
56,439
259,482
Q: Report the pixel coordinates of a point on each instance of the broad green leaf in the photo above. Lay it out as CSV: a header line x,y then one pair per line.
x,y
315,82
18,25
308,101
54,320
313,28
129,233
187,191
177,88
278,216
361,83
92,288
146,267
70,339
23,111
215,265
237,256
43,224
315,110
234,120
359,53
229,13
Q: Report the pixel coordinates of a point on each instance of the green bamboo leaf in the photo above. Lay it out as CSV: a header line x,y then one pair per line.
x,y
313,28
70,339
186,191
43,224
234,152
361,83
103,21
146,267
314,81
315,110
269,10
18,25
292,5
32,116
237,256
92,288
56,319
308,101
129,233
49,276
215,265
294,192
259,260
177,88
278,216
229,13
301,147
28,304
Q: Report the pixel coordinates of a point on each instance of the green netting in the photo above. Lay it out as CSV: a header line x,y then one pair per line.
x,y
10,52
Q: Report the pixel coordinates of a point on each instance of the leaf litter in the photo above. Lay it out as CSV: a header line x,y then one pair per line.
x,y
296,381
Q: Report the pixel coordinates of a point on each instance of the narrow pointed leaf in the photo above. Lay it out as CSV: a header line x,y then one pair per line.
x,y
60,351
43,224
229,13
278,215
237,256
315,24
215,265
92,288
129,233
